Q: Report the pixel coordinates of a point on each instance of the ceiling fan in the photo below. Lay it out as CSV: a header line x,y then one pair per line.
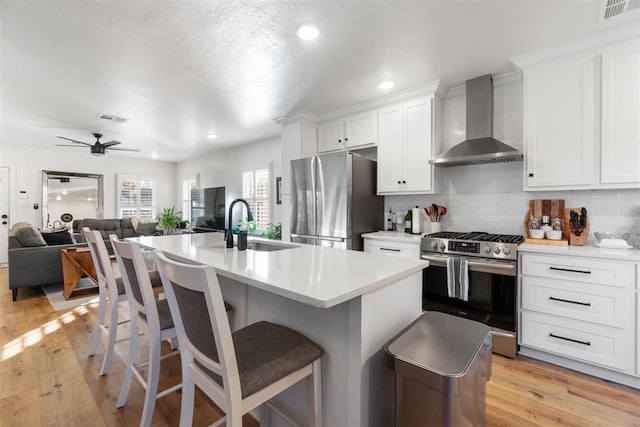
x,y
98,148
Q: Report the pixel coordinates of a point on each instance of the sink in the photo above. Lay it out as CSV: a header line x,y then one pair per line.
x,y
267,247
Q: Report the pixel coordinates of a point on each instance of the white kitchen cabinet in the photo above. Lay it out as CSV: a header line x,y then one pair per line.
x,y
385,243
558,124
354,131
579,311
406,143
620,150
581,126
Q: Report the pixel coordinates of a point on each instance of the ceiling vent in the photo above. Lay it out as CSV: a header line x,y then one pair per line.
x,y
112,118
613,8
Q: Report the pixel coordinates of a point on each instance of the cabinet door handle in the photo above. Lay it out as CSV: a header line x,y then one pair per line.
x,y
570,339
404,182
346,139
399,182
570,270
588,304
530,175
339,141
390,250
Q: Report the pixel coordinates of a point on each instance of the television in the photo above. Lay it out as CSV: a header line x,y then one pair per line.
x,y
208,207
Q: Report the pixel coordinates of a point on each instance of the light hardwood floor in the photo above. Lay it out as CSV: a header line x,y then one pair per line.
x,y
46,379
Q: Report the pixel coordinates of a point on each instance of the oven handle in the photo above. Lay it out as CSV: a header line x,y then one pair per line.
x,y
472,263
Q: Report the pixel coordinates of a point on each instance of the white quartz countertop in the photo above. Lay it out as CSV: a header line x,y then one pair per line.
x,y
632,255
317,276
394,236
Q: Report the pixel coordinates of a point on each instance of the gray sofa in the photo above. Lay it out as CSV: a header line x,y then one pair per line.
x,y
36,263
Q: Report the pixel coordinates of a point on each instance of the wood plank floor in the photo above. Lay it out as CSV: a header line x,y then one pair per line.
x,y
46,379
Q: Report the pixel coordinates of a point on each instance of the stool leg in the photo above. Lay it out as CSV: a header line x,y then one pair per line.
x,y
314,395
188,397
153,378
131,360
111,338
98,331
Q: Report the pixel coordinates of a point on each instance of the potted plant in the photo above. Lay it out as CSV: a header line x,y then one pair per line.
x,y
168,220
274,232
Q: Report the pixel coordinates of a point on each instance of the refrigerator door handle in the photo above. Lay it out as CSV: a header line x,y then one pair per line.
x,y
332,239
314,175
303,236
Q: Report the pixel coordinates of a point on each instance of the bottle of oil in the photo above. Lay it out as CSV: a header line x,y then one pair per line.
x,y
407,222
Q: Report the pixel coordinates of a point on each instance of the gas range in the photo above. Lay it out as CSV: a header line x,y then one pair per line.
x,y
473,244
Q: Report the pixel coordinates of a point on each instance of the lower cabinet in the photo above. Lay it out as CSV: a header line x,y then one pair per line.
x,y
581,311
393,248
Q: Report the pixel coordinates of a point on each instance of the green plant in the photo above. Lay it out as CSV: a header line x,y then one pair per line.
x,y
274,232
251,225
168,220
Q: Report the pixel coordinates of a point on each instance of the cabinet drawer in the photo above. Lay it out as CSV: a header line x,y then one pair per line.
x,y
590,303
579,269
405,250
598,345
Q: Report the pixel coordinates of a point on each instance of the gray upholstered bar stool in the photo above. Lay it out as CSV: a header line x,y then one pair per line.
x,y
238,371
111,293
153,317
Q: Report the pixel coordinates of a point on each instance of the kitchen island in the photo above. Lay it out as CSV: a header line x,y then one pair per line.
x,y
349,302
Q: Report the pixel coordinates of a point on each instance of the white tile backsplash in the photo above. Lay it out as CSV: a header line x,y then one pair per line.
x,y
491,198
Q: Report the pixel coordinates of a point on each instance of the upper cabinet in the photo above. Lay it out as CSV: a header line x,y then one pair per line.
x,y
406,143
354,131
558,124
620,148
581,118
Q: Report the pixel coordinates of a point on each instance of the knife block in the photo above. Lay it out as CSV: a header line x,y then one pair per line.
x,y
574,240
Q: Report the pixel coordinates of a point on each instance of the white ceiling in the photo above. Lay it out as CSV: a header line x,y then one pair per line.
x,y
179,70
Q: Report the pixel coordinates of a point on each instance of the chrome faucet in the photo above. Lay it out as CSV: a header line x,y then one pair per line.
x,y
229,235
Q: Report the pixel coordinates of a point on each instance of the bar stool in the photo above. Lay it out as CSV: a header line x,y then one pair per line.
x,y
153,317
239,371
111,293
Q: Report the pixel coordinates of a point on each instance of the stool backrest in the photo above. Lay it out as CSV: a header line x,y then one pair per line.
x,y
135,278
201,322
102,263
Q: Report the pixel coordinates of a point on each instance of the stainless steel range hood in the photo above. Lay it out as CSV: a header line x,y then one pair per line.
x,y
480,147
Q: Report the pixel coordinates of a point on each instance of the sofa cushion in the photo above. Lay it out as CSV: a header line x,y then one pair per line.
x,y
142,227
104,226
57,237
27,234
127,228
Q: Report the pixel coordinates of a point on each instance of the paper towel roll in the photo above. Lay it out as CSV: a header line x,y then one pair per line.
x,y
415,221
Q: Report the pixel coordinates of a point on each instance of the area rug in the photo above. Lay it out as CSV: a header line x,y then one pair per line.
x,y
57,301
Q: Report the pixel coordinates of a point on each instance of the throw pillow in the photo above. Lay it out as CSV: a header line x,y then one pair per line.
x,y
54,238
28,235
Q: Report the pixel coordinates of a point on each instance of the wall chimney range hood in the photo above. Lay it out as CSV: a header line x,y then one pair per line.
x,y
480,147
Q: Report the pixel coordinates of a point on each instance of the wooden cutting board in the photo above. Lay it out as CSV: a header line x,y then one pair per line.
x,y
546,242
553,208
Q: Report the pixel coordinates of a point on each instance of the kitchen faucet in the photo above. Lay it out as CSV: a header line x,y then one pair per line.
x,y
229,235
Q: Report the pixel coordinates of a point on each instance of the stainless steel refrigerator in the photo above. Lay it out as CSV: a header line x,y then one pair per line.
x,y
334,201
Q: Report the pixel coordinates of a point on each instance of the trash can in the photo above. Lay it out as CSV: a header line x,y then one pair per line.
x,y
441,364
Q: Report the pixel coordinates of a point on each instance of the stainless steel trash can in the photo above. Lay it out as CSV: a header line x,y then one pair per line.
x,y
441,364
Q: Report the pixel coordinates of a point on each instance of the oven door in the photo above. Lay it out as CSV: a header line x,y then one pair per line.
x,y
492,296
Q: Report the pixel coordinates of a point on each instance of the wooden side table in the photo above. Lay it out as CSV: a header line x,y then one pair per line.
x,y
76,264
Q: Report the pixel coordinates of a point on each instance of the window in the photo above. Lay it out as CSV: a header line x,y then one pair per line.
x,y
189,184
136,197
255,189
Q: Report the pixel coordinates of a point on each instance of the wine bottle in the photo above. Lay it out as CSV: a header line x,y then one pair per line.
x,y
407,222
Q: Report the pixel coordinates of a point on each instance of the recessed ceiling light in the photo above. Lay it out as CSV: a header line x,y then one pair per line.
x,y
308,31
154,155
386,84
212,136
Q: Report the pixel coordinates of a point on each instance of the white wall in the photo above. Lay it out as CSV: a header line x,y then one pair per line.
x,y
225,167
490,197
29,162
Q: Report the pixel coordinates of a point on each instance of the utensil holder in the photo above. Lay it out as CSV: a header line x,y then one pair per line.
x,y
435,227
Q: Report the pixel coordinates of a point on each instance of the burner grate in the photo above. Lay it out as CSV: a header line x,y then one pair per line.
x,y
478,236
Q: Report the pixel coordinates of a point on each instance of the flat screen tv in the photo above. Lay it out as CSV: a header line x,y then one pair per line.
x,y
208,209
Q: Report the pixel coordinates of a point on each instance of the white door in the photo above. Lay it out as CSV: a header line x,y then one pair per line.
x,y
417,131
4,213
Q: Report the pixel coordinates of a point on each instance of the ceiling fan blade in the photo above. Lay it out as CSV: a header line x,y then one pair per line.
x,y
123,149
68,145
110,143
73,140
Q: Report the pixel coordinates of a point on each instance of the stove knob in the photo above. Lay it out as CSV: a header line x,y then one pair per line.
x,y
487,249
506,251
497,251
434,245
442,246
